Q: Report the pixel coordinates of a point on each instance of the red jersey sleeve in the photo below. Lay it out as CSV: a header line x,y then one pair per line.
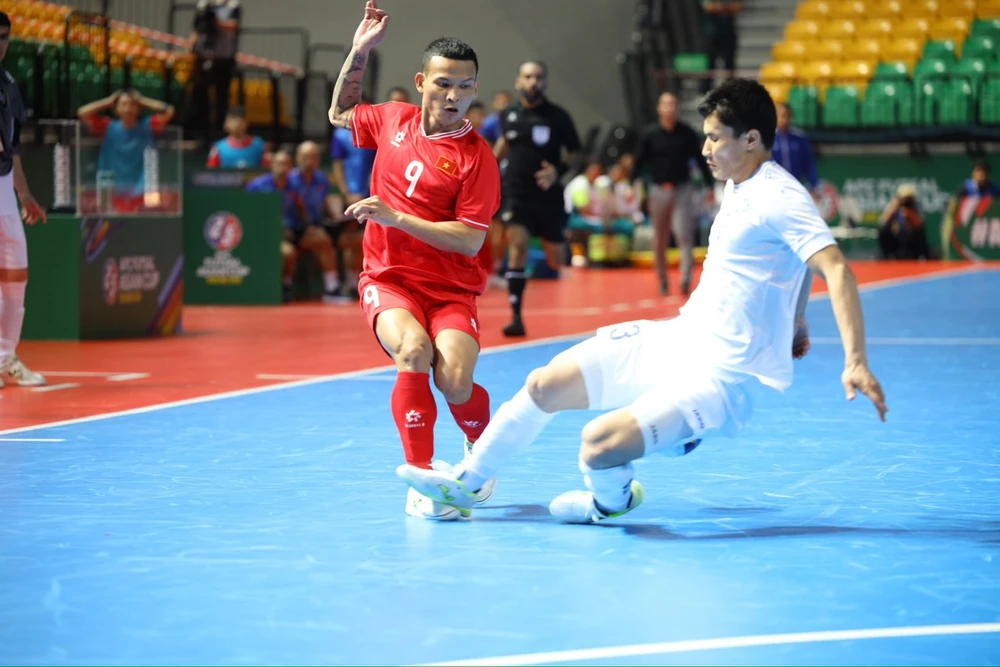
x,y
479,198
158,122
367,121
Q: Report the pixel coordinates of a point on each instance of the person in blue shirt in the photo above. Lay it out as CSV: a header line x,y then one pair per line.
x,y
979,185
492,126
299,235
793,152
238,150
125,138
352,166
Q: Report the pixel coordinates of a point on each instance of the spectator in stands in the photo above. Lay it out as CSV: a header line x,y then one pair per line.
x,y
215,44
668,148
902,234
980,184
793,151
324,208
628,195
476,115
125,140
492,125
720,36
238,150
399,94
596,230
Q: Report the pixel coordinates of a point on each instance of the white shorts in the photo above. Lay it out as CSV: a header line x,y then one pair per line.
x,y
13,246
654,368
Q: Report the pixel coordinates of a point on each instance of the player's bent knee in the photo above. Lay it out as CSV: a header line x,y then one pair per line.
x,y
414,351
455,382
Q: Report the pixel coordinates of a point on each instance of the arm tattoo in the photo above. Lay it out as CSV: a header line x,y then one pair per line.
x,y
347,91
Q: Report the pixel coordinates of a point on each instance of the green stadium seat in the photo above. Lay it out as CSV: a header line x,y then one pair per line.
x,y
988,27
943,49
932,68
956,103
980,46
972,70
927,97
892,71
989,102
888,103
841,107
804,102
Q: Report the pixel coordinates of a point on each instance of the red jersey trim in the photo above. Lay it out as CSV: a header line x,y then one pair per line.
x,y
460,132
473,223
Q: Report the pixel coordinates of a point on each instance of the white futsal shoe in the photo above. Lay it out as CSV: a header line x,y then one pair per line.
x,y
422,507
579,506
19,374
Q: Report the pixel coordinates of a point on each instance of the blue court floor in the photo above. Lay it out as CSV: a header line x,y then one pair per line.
x,y
268,528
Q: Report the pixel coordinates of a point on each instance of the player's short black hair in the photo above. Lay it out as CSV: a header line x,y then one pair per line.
x,y
4,20
452,49
743,105
984,165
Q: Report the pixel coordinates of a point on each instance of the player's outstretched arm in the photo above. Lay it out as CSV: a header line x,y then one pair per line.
x,y
347,90
450,235
831,265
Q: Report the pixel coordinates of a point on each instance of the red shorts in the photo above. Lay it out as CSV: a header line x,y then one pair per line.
x,y
435,310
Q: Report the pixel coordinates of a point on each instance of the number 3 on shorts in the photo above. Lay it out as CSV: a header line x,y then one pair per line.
x,y
371,296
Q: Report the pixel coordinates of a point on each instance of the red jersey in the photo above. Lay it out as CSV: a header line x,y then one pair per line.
x,y
449,176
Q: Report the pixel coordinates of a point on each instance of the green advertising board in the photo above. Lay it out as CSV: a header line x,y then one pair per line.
x,y
98,278
973,231
856,188
232,245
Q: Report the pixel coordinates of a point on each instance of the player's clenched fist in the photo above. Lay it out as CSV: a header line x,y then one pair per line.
x,y
372,208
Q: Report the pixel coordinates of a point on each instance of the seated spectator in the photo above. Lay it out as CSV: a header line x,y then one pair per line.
x,y
902,234
628,194
980,184
299,237
595,222
476,115
352,166
238,150
124,142
324,208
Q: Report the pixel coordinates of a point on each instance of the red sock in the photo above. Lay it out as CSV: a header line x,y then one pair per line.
x,y
415,412
473,415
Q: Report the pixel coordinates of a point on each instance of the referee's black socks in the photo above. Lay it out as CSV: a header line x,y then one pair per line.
x,y
515,285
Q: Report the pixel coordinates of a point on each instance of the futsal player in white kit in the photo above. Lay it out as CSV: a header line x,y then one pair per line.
x,y
668,384
13,247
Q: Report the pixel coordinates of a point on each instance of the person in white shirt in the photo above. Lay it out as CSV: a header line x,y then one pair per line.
x,y
668,384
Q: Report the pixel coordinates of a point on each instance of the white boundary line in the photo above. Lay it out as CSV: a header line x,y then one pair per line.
x,y
32,439
912,341
868,287
691,645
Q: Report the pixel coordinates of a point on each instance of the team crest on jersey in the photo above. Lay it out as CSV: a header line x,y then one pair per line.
x,y
447,166
541,134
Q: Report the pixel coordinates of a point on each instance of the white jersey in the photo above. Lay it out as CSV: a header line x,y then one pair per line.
x,y
742,314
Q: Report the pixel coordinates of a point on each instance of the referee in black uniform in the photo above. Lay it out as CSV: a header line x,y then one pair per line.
x,y
539,142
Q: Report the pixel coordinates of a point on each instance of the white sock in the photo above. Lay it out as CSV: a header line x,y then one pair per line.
x,y
11,319
515,426
330,281
612,487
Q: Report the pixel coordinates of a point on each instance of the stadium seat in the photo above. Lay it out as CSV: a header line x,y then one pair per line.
x,y
959,8
841,106
779,91
956,103
878,28
926,97
923,8
780,72
790,51
989,98
816,10
891,9
855,73
988,9
986,27
863,49
906,50
826,49
804,30
804,102
855,10
980,46
839,29
892,71
932,68
943,50
887,104
912,26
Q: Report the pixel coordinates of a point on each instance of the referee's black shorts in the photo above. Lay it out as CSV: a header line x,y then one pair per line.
x,y
543,214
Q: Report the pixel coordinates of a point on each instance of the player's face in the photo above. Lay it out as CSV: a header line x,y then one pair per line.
x,y
4,41
448,88
281,164
127,109
727,155
501,101
531,82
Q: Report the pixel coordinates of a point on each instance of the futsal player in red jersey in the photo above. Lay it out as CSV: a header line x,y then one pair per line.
x,y
435,188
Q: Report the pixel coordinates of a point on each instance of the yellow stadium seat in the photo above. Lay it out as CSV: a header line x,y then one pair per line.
x,y
839,29
789,51
855,10
816,72
779,91
951,25
827,49
814,10
778,72
911,26
959,8
923,9
988,9
875,29
905,49
855,72
803,30
892,9
863,49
